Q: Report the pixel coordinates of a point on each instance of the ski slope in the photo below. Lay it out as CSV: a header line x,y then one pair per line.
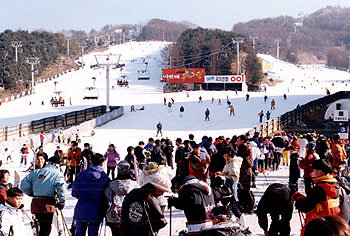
x,y
301,84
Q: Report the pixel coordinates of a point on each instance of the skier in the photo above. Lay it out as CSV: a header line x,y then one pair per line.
x,y
172,101
268,115
141,212
276,202
284,96
207,113
88,187
265,99
159,129
74,158
196,200
261,115
219,101
200,99
24,154
48,187
164,100
30,103
212,100
232,110
169,107
182,109
112,158
115,193
247,97
12,218
273,104
132,108
228,103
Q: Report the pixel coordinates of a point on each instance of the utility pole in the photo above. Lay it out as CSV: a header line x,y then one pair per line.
x,y
67,46
253,38
107,60
278,48
82,46
16,45
32,61
238,41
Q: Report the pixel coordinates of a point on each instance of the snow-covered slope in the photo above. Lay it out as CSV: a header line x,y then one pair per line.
x,y
135,126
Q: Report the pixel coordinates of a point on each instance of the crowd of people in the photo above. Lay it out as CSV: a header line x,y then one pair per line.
x,y
210,181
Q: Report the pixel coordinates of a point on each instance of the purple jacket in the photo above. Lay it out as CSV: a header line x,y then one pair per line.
x,y
111,162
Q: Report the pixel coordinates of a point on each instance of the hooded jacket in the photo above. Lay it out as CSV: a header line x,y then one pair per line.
x,y
196,199
12,220
112,157
88,187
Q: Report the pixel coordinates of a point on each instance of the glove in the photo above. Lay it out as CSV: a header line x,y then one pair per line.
x,y
171,202
296,196
60,205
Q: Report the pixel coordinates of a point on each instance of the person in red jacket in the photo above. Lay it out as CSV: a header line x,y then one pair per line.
x,y
196,164
74,158
306,165
4,178
321,200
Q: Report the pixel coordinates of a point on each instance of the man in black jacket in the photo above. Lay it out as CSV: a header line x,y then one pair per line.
x,y
181,159
157,154
276,201
196,199
87,153
140,156
141,213
168,149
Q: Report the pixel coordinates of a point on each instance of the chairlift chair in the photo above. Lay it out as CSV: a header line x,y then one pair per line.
x,y
59,98
90,93
144,75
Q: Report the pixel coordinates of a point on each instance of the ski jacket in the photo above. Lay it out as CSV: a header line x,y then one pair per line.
x,y
87,154
158,156
159,126
321,200
149,147
140,156
12,221
141,213
232,169
130,159
306,165
88,188
182,161
207,112
44,183
196,200
302,142
339,154
168,152
24,150
3,196
115,193
74,157
294,170
182,109
112,157
276,202
217,162
197,167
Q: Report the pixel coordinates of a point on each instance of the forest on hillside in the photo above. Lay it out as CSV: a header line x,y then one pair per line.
x,y
324,34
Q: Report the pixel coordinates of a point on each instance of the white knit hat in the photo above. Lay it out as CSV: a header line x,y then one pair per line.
x,y
159,177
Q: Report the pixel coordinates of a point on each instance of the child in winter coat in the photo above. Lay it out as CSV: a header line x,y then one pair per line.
x,y
12,218
232,170
112,157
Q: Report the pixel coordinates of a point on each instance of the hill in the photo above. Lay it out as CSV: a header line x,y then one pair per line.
x,y
325,34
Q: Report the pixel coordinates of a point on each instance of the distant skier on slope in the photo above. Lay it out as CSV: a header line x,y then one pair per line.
x,y
207,113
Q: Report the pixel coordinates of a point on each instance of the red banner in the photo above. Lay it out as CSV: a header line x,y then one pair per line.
x,y
190,76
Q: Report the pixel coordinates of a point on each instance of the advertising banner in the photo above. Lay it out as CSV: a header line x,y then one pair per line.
x,y
183,75
224,79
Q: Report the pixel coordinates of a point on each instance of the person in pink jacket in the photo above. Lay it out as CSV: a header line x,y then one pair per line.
x,y
112,157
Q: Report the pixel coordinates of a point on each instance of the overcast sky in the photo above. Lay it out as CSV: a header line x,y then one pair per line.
x,y
87,14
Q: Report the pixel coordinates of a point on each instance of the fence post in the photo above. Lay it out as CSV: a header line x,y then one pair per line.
x,y
6,133
20,130
76,117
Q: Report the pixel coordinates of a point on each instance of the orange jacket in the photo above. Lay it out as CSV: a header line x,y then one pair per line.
x,y
74,157
339,154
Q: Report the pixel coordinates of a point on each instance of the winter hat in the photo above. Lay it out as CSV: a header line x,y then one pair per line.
x,y
220,213
311,145
54,160
159,178
179,140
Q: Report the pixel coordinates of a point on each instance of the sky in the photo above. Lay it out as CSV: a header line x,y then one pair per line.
x,y
87,14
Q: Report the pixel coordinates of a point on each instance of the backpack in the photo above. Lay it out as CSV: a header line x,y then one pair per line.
x,y
113,214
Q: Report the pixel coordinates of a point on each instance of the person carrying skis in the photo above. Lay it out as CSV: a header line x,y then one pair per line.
x,y
232,110
261,115
182,109
88,187
207,113
159,129
12,215
273,103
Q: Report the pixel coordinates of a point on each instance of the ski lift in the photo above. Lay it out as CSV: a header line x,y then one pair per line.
x,y
57,97
91,92
143,75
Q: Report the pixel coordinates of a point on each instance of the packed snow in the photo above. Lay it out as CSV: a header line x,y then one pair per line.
x,y
301,84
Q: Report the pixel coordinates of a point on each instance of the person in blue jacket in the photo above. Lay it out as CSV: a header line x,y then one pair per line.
x,y
47,187
92,204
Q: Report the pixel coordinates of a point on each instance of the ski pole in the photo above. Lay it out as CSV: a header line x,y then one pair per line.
x,y
170,211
